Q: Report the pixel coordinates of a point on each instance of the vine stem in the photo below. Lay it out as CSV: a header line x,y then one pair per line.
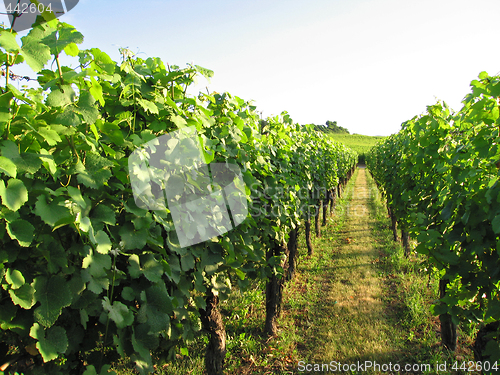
x,y
59,70
72,145
15,16
7,70
110,298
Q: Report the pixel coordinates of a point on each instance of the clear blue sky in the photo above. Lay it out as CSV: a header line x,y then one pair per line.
x,y
369,65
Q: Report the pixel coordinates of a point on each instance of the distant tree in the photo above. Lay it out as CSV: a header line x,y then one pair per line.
x,y
334,128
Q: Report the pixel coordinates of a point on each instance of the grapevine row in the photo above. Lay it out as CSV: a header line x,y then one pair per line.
x,y
440,176
83,268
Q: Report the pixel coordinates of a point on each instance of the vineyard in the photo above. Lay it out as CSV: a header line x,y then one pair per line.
x,y
439,175
88,274
96,269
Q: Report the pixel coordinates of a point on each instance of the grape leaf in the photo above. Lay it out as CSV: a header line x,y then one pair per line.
x,y
15,195
5,114
61,96
87,107
34,51
23,296
103,243
148,105
50,342
157,308
8,41
118,313
25,162
95,172
53,294
103,214
14,278
50,135
133,239
52,212
95,267
21,231
153,270
496,224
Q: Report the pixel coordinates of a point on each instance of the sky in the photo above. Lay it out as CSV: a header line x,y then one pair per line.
x,y
367,64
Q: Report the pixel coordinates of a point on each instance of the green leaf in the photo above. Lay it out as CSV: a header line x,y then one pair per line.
x,y
103,214
96,91
207,73
131,207
7,313
23,296
76,195
140,342
14,195
157,308
178,121
105,370
53,212
61,96
72,49
96,171
118,313
134,268
90,370
496,224
133,239
153,270
187,262
128,293
8,41
65,36
143,334
8,167
87,107
483,75
50,136
95,267
103,242
50,342
25,162
5,111
21,231
34,51
148,106
54,295
14,278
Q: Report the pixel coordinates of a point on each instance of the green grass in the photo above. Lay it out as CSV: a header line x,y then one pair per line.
x,y
359,143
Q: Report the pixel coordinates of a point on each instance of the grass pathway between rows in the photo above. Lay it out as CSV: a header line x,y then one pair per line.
x,y
349,319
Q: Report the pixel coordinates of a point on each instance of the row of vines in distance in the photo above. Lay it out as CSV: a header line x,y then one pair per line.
x,y
440,175
81,265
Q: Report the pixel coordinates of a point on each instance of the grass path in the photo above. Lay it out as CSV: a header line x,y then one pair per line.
x,y
353,309
349,320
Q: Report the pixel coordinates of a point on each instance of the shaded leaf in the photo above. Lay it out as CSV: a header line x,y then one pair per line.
x,y
118,313
21,231
53,294
14,195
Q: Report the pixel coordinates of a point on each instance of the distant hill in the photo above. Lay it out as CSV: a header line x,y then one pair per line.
x,y
359,143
